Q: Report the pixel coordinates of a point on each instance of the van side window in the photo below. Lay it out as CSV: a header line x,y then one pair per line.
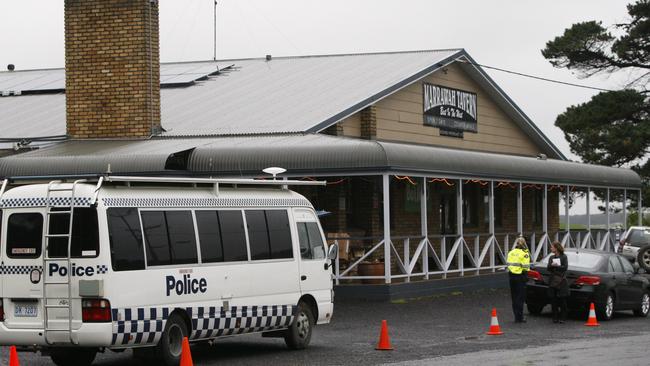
x,y
169,237
279,234
269,234
258,235
85,234
222,236
125,238
311,242
25,235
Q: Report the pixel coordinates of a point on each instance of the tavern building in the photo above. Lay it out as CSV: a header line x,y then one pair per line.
x,y
432,169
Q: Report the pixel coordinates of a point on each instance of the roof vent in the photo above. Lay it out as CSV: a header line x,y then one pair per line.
x,y
269,57
11,67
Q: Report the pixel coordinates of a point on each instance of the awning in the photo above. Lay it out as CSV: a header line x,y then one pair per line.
x,y
303,155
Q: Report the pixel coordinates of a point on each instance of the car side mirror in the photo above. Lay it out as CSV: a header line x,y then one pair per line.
x,y
333,252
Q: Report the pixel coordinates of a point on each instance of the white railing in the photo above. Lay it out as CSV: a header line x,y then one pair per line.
x,y
420,258
442,256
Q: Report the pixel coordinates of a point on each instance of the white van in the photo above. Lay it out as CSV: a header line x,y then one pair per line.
x,y
145,262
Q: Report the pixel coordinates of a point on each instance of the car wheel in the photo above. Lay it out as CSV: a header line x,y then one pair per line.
x,y
535,309
606,311
171,342
643,258
73,356
644,306
299,334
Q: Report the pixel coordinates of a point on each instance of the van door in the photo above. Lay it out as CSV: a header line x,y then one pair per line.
x,y
315,274
21,268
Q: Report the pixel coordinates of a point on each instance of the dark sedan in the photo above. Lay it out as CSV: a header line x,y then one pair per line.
x,y
606,279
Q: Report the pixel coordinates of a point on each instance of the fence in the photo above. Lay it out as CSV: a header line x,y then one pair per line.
x,y
415,258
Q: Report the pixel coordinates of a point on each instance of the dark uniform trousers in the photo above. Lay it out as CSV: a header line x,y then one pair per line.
x,y
518,293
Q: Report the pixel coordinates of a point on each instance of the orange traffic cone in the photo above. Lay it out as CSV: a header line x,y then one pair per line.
x,y
495,329
186,355
384,340
592,321
13,356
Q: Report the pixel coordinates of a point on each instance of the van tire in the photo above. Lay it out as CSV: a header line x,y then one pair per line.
x,y
73,356
299,333
171,343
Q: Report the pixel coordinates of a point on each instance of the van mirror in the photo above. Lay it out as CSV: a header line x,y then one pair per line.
x,y
333,252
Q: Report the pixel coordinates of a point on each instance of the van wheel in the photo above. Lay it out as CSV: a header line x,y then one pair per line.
x,y
171,342
73,356
299,334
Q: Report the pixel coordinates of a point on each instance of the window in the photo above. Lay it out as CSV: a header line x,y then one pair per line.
x,y
627,267
311,241
25,235
233,234
125,239
269,235
85,233
258,236
615,265
170,237
222,236
279,234
207,223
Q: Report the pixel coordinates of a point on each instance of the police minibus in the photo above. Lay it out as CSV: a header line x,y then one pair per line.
x,y
142,262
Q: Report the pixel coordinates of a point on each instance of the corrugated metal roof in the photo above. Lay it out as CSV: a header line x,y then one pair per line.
x,y
302,155
286,94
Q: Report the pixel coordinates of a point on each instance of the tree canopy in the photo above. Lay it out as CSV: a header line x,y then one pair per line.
x,y
613,128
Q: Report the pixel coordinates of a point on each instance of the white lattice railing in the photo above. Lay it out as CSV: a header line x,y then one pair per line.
x,y
440,256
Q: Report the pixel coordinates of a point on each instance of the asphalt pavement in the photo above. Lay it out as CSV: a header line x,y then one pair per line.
x,y
422,331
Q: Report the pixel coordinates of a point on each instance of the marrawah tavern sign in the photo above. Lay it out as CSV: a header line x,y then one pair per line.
x,y
453,111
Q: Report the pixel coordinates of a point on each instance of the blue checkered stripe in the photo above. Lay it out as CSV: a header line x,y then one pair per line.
x,y
204,202
144,326
246,319
17,270
42,201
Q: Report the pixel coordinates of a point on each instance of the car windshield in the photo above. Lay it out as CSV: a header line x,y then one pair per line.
x,y
639,236
580,261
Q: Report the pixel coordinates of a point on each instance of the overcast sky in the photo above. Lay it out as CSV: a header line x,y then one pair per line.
x,y
507,34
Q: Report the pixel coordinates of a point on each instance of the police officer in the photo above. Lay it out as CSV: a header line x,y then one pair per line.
x,y
518,266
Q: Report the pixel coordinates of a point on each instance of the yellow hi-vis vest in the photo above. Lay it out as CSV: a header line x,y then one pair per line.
x,y
518,261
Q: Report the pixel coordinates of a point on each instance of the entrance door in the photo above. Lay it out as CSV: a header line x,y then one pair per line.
x,y
315,275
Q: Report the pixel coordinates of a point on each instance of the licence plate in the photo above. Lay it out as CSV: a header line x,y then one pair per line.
x,y
25,311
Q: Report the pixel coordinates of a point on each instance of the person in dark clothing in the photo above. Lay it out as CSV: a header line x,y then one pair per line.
x,y
558,286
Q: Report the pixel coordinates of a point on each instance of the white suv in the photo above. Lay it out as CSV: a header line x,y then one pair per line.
x,y
635,245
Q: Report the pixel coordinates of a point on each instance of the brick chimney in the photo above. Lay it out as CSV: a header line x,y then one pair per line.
x,y
112,65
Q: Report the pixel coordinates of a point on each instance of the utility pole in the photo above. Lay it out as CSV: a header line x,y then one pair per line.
x,y
215,31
